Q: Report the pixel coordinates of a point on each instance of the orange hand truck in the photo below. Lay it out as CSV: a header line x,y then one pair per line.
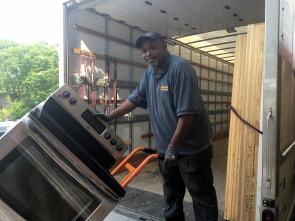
x,y
133,171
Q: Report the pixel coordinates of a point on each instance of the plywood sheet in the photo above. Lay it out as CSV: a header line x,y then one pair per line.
x,y
240,196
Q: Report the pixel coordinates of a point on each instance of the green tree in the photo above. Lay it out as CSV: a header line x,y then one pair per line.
x,y
3,45
29,73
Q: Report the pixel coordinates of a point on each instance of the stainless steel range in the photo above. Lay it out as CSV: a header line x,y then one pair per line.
x,y
54,163
72,121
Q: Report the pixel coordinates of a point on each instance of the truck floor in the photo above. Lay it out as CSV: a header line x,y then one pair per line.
x,y
144,196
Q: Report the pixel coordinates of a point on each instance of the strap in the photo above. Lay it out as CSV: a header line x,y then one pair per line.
x,y
231,108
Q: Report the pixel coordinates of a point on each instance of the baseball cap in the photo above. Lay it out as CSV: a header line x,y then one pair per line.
x,y
148,36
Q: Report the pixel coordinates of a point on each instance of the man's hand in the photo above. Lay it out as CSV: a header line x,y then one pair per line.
x,y
171,157
104,117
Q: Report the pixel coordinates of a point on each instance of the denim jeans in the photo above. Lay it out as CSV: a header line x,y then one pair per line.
x,y
194,173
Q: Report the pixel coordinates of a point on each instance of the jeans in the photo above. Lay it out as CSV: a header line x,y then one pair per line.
x,y
194,173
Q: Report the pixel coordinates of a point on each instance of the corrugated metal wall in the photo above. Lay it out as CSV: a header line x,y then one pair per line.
x,y
111,39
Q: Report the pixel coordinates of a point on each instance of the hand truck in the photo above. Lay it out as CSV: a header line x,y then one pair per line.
x,y
134,171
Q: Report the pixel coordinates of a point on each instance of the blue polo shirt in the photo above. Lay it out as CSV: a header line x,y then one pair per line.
x,y
169,95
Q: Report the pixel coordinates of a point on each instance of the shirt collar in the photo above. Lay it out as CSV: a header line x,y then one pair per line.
x,y
160,74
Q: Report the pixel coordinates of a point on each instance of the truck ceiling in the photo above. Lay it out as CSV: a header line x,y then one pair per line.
x,y
207,25
177,18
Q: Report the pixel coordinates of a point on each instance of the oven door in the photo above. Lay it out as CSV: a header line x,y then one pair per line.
x,y
35,187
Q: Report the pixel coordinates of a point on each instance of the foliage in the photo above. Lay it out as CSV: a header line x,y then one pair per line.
x,y
15,110
28,74
4,114
7,44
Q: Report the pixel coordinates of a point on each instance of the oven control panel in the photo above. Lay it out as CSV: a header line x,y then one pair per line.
x,y
69,111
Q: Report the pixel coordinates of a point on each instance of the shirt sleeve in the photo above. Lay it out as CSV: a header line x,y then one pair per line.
x,y
138,96
187,98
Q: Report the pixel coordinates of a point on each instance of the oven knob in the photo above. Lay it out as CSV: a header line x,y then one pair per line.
x,y
66,94
113,141
119,147
107,135
72,101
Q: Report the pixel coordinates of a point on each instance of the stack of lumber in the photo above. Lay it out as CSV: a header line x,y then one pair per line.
x,y
240,194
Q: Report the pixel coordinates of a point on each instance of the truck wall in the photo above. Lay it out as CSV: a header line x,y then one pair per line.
x,y
278,113
286,105
105,36
286,181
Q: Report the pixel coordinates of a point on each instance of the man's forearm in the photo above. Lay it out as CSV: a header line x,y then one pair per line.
x,y
184,124
124,108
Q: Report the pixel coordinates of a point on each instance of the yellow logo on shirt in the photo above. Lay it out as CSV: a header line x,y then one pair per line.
x,y
164,88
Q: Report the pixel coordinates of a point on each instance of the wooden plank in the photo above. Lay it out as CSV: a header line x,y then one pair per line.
x,y
254,70
240,195
232,147
240,108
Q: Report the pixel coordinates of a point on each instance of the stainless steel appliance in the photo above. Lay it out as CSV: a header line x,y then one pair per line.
x,y
40,180
54,163
72,121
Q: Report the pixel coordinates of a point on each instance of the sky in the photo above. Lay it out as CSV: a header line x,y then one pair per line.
x,y
30,21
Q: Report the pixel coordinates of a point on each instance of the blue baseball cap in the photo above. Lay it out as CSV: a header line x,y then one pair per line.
x,y
148,36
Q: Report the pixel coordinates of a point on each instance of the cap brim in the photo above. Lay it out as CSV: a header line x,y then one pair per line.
x,y
142,39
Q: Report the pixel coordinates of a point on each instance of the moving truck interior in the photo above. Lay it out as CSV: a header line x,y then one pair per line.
x,y
243,54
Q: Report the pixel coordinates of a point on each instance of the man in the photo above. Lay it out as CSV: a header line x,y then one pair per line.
x,y
181,128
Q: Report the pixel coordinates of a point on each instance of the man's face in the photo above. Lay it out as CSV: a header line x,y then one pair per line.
x,y
153,52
